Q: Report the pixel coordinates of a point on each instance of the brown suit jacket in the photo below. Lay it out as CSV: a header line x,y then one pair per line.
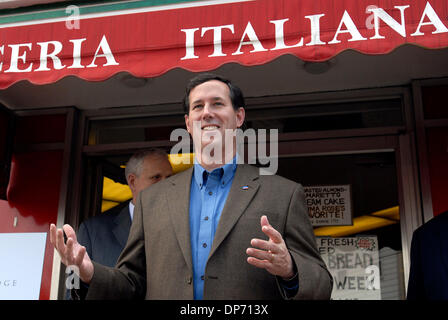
x,y
157,264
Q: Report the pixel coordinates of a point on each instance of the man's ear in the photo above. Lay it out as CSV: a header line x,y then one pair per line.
x,y
240,116
131,181
187,125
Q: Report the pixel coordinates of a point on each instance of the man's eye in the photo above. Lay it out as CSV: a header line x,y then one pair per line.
x,y
197,106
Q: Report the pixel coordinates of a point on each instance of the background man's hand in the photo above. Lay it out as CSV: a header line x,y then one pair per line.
x,y
71,253
272,255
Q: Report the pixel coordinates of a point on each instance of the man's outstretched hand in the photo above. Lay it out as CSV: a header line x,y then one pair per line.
x,y
71,253
271,254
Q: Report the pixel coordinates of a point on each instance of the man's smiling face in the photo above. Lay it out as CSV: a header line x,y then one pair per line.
x,y
212,110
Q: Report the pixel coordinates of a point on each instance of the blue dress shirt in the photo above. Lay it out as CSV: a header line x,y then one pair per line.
x,y
209,191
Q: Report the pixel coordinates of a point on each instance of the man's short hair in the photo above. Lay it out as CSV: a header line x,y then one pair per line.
x,y
135,163
236,95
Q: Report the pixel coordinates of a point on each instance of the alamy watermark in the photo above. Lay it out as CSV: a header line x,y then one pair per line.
x,y
72,279
218,148
72,21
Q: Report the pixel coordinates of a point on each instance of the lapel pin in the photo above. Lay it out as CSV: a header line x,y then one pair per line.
x,y
244,187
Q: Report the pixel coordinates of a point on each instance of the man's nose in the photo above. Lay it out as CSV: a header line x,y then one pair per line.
x,y
207,111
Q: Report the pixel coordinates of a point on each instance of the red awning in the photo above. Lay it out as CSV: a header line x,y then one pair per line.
x,y
207,35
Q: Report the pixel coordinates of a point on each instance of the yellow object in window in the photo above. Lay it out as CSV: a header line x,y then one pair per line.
x,y
374,220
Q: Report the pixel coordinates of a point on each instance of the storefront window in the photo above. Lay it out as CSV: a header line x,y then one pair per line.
x,y
353,201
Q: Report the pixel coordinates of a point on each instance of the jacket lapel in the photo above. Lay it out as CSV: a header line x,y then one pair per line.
x,y
178,203
244,187
122,226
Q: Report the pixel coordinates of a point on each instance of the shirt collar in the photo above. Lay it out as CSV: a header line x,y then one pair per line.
x,y
131,210
229,171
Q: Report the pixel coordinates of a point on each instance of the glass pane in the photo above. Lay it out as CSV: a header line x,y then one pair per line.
x,y
336,116
364,257
41,129
437,146
133,129
434,102
5,150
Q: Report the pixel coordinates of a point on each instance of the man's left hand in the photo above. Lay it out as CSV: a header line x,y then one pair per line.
x,y
272,254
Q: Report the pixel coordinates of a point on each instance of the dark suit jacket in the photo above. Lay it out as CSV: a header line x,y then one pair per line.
x,y
428,278
157,264
105,235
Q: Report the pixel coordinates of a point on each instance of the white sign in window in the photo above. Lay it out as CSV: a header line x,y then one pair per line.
x,y
22,256
354,264
329,205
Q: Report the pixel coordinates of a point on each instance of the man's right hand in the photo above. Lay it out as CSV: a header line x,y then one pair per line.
x,y
72,253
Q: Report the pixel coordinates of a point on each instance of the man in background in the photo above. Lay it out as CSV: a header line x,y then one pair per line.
x,y
105,235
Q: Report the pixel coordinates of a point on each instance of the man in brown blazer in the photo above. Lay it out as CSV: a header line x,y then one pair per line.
x,y
253,241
